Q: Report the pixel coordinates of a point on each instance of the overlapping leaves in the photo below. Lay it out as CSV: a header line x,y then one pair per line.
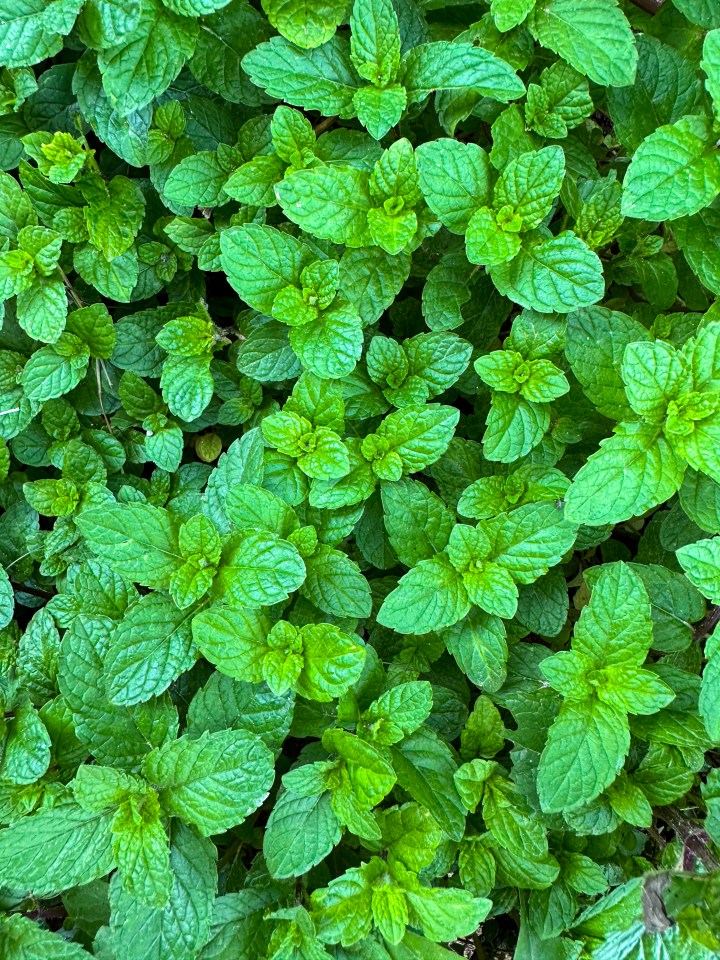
x,y
359,479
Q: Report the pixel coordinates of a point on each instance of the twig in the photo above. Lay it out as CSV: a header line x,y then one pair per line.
x,y
100,394
659,841
70,289
708,623
33,591
649,6
324,125
692,835
17,560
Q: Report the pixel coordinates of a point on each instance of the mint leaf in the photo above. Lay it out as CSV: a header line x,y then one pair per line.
x,y
558,274
450,66
631,472
429,597
150,647
601,680
183,924
35,856
569,779
700,561
21,934
319,79
454,178
359,478
301,832
148,58
213,782
331,202
305,25
139,541
665,79
674,173
260,570
593,37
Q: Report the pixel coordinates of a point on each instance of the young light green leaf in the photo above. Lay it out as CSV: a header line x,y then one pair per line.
x,y
213,782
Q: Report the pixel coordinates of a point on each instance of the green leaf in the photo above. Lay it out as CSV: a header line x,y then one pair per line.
x,y
262,261
696,238
592,35
530,183
224,703
555,275
223,40
42,309
115,279
675,172
301,832
49,374
57,848
93,325
150,647
380,108
331,202
25,940
330,346
335,584
137,540
343,909
114,216
419,434
7,598
110,20
596,360
709,701
711,65
452,66
319,79
311,428
198,180
213,782
666,88
370,279
332,662
615,628
399,711
425,768
570,777
701,563
418,523
375,40
194,8
187,385
701,12
148,58
529,540
429,597
480,649
32,31
177,930
633,471
260,570
454,178
653,374
515,426
232,639
446,914
142,851
305,24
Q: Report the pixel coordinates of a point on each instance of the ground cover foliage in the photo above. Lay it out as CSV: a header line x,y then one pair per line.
x,y
360,480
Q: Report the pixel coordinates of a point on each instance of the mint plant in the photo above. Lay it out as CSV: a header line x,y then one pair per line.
x,y
359,479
